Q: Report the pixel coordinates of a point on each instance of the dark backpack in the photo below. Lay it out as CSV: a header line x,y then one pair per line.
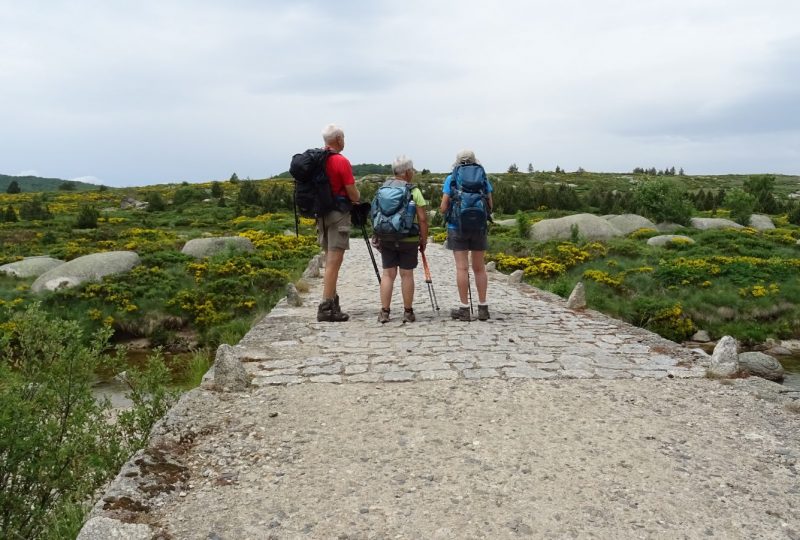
x,y
393,211
312,189
469,208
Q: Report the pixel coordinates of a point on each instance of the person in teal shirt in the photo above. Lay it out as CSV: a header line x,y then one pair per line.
x,y
465,243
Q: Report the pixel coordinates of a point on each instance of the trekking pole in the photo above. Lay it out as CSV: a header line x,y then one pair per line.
x,y
371,255
296,219
359,217
429,281
469,292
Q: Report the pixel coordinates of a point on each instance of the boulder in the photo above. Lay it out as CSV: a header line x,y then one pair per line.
x,y
491,266
205,247
292,296
667,227
590,227
701,336
761,365
725,358
577,299
761,222
229,372
778,351
664,239
516,276
30,267
627,223
87,268
705,224
130,202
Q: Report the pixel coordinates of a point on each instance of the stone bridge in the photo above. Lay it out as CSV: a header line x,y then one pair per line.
x,y
543,422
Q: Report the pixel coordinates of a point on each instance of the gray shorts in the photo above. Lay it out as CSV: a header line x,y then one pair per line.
x,y
333,231
459,241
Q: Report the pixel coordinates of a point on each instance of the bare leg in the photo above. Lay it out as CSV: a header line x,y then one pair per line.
x,y
407,287
481,277
333,261
387,283
462,277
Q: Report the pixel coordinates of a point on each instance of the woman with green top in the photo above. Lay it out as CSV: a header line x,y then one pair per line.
x,y
399,249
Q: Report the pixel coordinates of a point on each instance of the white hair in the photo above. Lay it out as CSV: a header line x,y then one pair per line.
x,y
331,132
401,165
464,157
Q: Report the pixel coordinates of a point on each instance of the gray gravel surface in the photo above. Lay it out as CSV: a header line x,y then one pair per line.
x,y
543,422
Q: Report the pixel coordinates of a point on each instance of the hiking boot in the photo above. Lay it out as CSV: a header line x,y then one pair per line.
x,y
329,312
460,314
408,315
338,310
383,316
483,313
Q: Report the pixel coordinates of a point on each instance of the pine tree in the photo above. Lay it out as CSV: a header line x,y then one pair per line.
x,y
530,167
10,216
13,188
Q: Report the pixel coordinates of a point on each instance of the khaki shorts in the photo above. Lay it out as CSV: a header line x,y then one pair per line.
x,y
333,231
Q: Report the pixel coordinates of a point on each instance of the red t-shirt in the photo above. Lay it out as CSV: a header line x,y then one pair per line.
x,y
340,173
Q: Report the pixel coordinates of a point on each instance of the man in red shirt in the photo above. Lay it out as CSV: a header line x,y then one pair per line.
x,y
333,229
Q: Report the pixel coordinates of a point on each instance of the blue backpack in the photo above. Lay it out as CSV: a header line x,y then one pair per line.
x,y
393,211
469,190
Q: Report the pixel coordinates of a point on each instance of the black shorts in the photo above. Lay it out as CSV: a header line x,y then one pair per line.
x,y
402,254
460,241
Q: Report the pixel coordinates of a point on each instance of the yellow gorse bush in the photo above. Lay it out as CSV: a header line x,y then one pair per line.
x,y
644,232
566,256
603,277
280,246
760,291
675,320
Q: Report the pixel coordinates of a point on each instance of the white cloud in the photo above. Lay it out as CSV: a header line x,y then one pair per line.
x,y
145,92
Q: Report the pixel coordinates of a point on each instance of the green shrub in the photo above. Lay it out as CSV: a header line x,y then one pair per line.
x,y
662,200
741,205
87,217
35,209
155,202
523,224
56,444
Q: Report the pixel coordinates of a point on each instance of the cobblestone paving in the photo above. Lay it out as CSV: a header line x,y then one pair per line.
x,y
531,335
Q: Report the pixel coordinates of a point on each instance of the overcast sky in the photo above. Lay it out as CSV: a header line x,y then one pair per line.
x,y
144,92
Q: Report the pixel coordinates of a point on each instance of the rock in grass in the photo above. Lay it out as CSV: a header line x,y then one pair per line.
x,y
664,239
30,267
577,299
87,268
205,247
627,223
761,222
588,226
705,224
